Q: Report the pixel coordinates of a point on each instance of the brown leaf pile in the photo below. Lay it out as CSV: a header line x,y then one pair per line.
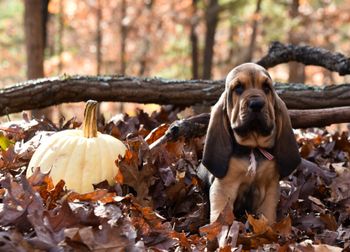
x,y
158,202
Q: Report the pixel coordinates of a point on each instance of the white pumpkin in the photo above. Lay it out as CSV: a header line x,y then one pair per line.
x,y
79,157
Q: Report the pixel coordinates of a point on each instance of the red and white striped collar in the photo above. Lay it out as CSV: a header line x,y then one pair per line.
x,y
251,171
266,154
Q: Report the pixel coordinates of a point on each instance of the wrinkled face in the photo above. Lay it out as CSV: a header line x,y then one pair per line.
x,y
251,105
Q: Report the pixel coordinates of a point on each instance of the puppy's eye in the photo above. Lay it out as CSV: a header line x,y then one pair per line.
x,y
239,88
266,87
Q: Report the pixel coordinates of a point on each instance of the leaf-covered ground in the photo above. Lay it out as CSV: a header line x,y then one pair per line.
x,y
158,202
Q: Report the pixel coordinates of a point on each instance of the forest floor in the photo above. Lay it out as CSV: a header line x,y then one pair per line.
x,y
158,202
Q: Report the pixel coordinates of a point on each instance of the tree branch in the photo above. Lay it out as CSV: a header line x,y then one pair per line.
x,y
319,117
196,126
279,53
52,91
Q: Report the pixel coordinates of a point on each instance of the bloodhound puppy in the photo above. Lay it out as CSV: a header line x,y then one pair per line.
x,y
249,146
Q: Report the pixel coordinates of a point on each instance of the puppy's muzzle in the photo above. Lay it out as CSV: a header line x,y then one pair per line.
x,y
256,118
256,104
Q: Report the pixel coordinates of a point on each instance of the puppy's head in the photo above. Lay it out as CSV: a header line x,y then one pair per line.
x,y
249,113
250,101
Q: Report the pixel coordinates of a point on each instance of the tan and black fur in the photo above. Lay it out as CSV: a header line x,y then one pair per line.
x,y
249,115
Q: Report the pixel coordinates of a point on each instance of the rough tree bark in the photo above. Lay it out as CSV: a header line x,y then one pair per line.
x,y
98,37
45,18
123,26
60,35
34,34
35,12
146,43
211,20
46,92
296,70
319,117
196,126
280,53
232,58
123,34
252,42
194,41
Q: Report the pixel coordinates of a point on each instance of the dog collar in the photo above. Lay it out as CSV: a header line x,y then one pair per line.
x,y
266,154
253,164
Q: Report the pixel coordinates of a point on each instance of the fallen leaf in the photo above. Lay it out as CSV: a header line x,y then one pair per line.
x,y
156,133
283,227
259,225
4,142
137,173
101,195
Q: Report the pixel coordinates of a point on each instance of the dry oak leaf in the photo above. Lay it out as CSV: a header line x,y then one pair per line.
x,y
212,230
137,170
105,238
99,195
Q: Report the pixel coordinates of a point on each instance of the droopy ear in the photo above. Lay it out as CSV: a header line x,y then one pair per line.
x,y
286,148
219,141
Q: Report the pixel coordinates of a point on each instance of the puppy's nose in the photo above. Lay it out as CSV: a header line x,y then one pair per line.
x,y
256,104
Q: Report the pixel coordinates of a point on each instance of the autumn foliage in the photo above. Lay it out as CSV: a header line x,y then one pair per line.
x,y
158,202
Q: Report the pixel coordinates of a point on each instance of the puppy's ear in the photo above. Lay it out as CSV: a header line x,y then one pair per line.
x,y
219,141
286,148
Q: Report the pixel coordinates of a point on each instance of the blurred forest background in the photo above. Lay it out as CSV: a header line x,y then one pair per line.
x,y
178,39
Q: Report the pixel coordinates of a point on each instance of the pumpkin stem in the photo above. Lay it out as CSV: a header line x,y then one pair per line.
x,y
90,119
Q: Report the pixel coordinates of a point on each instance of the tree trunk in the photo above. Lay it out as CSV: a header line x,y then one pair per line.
x,y
231,53
328,75
194,41
34,27
45,18
98,46
34,33
252,42
296,70
211,20
123,34
60,35
98,37
146,43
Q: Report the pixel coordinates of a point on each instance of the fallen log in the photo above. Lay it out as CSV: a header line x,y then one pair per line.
x,y
196,126
319,117
46,92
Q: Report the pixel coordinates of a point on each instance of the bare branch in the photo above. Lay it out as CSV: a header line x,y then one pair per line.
x,y
280,53
52,91
196,126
